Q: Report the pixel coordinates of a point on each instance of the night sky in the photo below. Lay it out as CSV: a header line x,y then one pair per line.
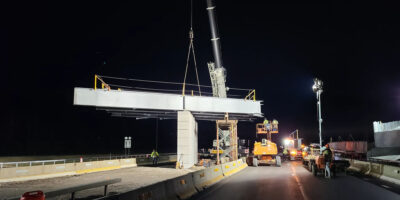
x,y
48,48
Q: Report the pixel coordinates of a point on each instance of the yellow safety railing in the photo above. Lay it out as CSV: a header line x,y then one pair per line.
x,y
251,95
103,84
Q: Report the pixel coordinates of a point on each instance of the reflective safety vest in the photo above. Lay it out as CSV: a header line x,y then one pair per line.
x,y
154,154
285,151
327,153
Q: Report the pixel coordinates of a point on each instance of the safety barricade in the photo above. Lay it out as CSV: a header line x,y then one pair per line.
x,y
128,163
182,186
57,170
207,177
154,191
391,174
241,164
375,170
97,166
229,168
161,160
244,159
199,179
381,171
358,166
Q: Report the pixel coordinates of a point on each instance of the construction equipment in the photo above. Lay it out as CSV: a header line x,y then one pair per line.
x,y
217,71
293,146
315,163
318,166
265,151
310,154
243,148
226,141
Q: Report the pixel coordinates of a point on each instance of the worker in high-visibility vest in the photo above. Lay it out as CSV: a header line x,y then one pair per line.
x,y
327,153
155,156
266,124
285,152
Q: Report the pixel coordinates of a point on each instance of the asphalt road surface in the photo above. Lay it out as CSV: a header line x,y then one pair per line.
x,y
293,181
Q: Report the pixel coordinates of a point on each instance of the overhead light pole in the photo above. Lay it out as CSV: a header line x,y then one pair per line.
x,y
317,88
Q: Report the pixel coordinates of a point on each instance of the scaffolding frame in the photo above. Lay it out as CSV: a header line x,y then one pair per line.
x,y
232,150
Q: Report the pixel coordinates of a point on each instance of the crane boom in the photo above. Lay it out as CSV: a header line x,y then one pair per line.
x,y
217,71
216,46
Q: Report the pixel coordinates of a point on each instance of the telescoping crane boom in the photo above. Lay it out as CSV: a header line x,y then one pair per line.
x,y
226,136
216,69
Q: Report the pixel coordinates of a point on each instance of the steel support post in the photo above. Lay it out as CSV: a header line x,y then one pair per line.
x,y
319,120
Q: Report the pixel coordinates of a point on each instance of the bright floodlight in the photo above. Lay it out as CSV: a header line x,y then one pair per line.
x,y
286,142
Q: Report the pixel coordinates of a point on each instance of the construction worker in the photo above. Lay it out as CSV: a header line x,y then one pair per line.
x,y
155,156
285,153
266,124
327,153
274,125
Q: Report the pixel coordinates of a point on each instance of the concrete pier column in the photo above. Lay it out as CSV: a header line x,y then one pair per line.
x,y
187,139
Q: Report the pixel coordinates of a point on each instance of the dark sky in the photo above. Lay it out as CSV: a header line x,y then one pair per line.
x,y
48,48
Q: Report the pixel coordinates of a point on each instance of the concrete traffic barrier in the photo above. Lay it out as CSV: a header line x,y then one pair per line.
x,y
183,186
207,177
96,166
161,160
57,170
381,171
172,158
199,179
154,191
86,167
391,174
229,168
375,170
358,166
131,162
241,164
213,174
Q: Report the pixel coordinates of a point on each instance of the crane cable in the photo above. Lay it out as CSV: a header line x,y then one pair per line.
x,y
191,47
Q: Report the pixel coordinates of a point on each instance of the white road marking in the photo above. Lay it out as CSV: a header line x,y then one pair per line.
x,y
299,184
385,186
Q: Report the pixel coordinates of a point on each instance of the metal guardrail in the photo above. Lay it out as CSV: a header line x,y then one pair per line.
x,y
251,95
72,190
73,160
30,163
